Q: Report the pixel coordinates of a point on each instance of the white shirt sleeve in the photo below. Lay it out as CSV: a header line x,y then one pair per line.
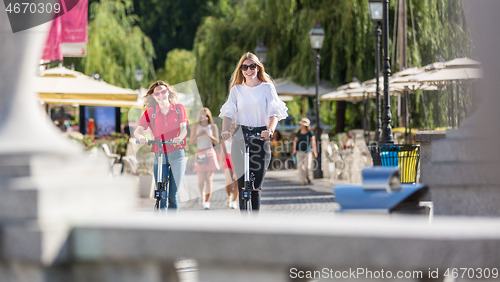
x,y
275,106
230,108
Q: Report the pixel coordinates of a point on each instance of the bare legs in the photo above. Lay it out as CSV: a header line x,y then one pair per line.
x,y
205,183
231,188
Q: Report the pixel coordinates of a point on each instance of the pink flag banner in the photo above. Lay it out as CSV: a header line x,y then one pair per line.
x,y
74,29
52,50
74,22
68,33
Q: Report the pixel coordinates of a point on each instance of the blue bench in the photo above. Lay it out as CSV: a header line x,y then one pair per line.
x,y
381,191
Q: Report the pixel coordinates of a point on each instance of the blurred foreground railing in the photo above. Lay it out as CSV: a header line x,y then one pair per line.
x,y
275,248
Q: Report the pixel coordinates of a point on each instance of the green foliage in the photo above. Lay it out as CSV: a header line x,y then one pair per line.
x,y
88,143
220,31
348,49
283,25
179,67
117,46
295,108
171,24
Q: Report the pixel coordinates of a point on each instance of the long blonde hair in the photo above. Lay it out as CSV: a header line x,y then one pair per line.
x,y
203,111
237,76
149,101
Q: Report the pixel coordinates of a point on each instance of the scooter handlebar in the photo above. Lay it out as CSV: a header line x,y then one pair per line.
x,y
166,142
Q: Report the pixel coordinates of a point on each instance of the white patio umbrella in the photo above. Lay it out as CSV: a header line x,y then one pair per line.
x,y
357,94
463,62
460,70
412,83
350,85
64,86
446,75
342,95
285,87
440,74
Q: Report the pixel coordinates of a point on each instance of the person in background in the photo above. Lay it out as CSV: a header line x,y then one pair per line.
x,y
229,173
91,128
167,120
126,130
254,105
67,126
302,143
204,134
348,143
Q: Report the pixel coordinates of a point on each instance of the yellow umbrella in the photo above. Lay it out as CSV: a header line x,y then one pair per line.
x,y
59,84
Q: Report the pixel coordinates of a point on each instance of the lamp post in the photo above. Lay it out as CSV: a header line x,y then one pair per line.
x,y
316,36
261,52
387,129
139,75
376,14
96,75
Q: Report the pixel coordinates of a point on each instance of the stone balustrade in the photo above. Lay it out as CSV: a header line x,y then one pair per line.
x,y
63,219
425,139
144,247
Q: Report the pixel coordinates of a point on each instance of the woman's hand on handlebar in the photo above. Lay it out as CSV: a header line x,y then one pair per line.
x,y
265,134
142,140
225,135
177,140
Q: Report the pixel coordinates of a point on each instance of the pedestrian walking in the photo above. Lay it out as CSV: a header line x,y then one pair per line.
x,y
302,143
167,120
204,135
255,107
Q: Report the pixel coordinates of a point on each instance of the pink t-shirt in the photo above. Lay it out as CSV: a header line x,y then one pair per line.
x,y
166,127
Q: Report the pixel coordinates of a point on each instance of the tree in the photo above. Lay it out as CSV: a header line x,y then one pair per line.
x,y
117,46
171,24
179,66
348,50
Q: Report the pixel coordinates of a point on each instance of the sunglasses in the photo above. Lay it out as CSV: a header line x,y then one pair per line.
x,y
246,67
156,94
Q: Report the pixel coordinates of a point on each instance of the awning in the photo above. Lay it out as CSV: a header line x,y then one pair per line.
x,y
287,87
59,84
84,102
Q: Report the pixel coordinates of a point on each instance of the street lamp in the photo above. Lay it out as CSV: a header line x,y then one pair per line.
x,y
96,75
376,16
139,75
316,36
261,52
387,129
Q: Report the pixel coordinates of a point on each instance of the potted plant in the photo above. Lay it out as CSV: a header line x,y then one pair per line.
x,y
145,161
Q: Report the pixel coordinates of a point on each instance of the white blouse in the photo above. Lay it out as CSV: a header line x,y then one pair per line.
x,y
253,106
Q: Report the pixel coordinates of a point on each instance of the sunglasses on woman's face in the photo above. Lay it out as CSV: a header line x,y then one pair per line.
x,y
156,94
246,67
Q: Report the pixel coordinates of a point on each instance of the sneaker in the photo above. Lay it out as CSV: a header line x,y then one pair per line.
x,y
227,202
206,205
233,205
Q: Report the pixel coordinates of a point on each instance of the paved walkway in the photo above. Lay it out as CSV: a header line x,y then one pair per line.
x,y
282,193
